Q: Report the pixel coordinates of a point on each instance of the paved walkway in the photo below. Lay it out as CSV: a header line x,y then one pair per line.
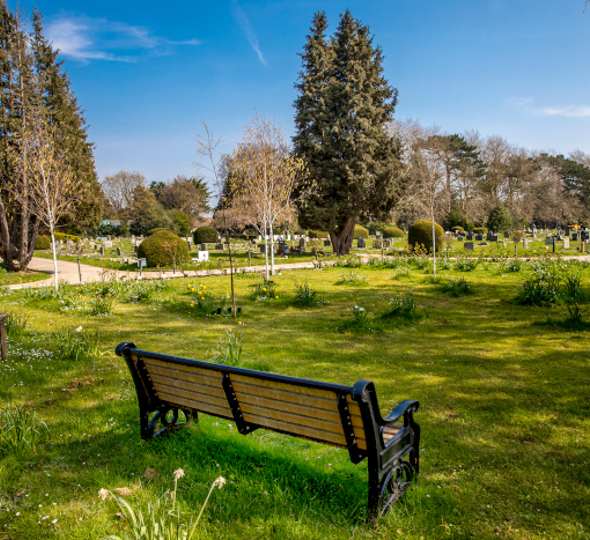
x,y
68,271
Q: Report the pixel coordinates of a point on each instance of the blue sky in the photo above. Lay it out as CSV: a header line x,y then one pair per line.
x,y
148,73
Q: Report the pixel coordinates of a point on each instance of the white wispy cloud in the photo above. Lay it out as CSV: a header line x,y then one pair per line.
x,y
86,38
242,19
568,111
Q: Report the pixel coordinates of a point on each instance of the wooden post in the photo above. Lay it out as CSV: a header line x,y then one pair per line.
x,y
3,336
79,270
249,258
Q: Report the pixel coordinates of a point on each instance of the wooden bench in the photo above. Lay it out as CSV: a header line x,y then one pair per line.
x,y
342,416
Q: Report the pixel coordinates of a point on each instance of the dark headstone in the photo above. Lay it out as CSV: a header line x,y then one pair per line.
x,y
506,235
479,237
118,252
574,237
327,243
470,236
468,246
302,243
262,248
489,236
202,247
460,238
102,251
492,238
585,236
360,243
219,246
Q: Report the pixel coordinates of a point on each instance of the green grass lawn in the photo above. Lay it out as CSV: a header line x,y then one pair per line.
x,y
504,410
13,278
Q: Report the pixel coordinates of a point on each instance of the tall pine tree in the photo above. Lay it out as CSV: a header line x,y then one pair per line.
x,y
34,91
343,106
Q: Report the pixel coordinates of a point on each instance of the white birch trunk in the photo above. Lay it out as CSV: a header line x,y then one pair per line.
x,y
56,282
266,248
272,251
434,248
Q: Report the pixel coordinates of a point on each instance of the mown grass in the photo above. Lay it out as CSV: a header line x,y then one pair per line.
x,y
505,401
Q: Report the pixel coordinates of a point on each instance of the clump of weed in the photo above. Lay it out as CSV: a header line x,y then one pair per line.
x,y
304,296
352,261
102,305
574,319
15,324
420,262
351,278
264,290
20,429
75,343
229,351
457,287
139,292
404,308
359,320
40,293
511,265
463,264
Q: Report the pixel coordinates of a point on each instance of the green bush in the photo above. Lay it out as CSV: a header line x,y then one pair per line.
x,y
63,237
318,234
360,232
393,232
205,235
420,234
43,242
457,228
379,226
499,219
161,248
480,230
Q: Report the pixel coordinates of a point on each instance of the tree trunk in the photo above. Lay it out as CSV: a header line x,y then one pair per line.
x,y
342,242
54,259
266,248
434,249
272,251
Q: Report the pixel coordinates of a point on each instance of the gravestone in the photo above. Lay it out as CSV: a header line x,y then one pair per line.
x,y
585,236
108,244
135,249
190,244
470,236
302,243
203,256
102,251
574,237
202,247
360,242
525,243
327,243
262,248
483,244
219,246
460,238
566,242
492,238
118,252
506,235
489,236
468,246
479,237
549,240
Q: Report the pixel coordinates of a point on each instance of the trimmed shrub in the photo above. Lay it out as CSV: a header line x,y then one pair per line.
x,y
420,234
43,242
379,226
158,230
480,230
153,249
318,234
457,228
205,235
63,237
393,232
360,232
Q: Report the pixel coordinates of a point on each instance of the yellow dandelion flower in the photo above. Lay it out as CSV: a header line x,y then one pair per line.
x,y
277,296
192,305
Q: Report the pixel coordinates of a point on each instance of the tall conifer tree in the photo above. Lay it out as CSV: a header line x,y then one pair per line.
x,y
343,106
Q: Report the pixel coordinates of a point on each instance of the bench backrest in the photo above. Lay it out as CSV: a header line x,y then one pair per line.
x,y
303,408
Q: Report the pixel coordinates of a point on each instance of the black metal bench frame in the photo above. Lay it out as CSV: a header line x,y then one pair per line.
x,y
392,464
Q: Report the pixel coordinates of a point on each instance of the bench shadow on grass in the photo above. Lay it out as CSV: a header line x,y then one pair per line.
x,y
268,475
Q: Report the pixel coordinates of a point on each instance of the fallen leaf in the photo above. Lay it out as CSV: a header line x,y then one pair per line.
x,y
150,473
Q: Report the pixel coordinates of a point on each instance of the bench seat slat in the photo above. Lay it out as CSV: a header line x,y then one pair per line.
x,y
292,395
194,405
275,385
149,361
219,401
295,419
298,431
190,387
162,373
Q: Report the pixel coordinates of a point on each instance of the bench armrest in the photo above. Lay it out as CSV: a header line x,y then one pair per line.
x,y
409,405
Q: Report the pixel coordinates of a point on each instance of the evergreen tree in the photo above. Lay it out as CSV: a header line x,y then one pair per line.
x,y
34,93
343,106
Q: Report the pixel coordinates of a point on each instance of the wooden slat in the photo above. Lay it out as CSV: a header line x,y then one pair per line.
x,y
298,431
162,372
286,387
188,386
196,405
183,367
194,396
390,432
295,419
251,388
